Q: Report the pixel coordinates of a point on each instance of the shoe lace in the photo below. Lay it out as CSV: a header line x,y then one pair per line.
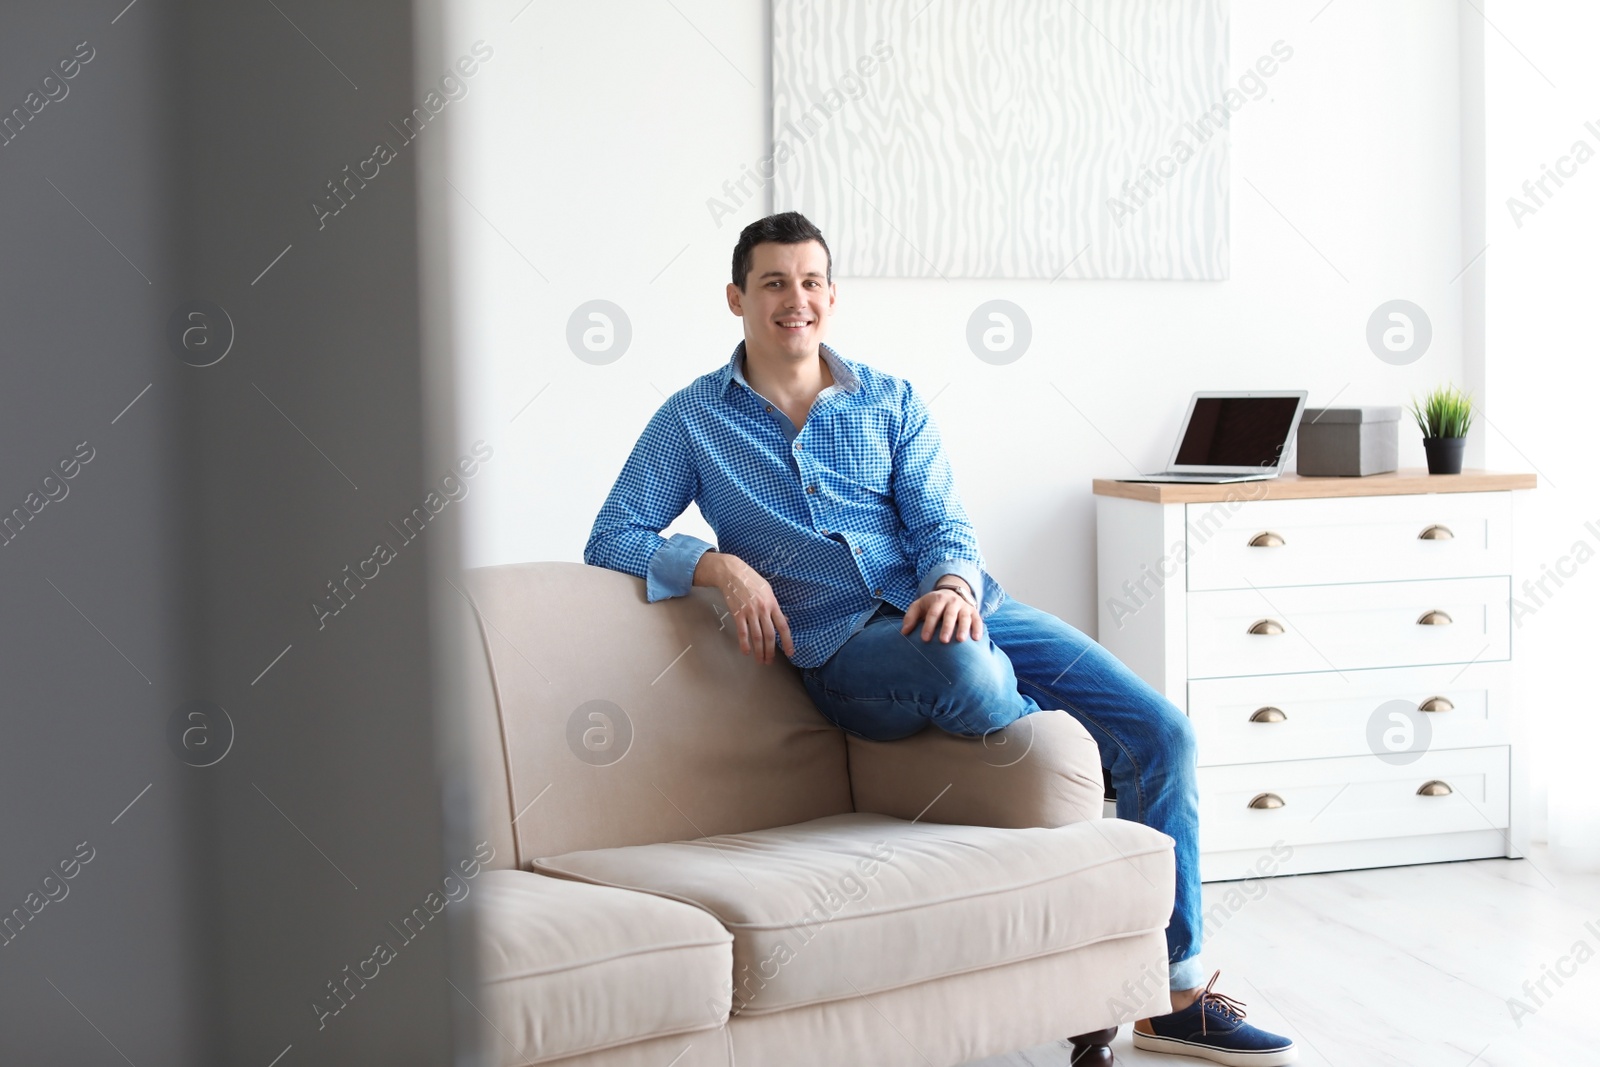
x,y
1231,1008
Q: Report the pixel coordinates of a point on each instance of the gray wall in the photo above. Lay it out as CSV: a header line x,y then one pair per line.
x,y
186,554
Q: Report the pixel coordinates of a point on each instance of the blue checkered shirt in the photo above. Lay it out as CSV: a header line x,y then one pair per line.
x,y
855,508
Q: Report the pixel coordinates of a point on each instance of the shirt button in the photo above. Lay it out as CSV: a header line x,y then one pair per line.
x,y
858,551
769,407
878,591
799,446
811,489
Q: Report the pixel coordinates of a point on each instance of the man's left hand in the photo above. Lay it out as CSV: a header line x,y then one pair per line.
x,y
947,611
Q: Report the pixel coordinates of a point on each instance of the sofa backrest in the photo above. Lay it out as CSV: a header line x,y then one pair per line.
x,y
623,722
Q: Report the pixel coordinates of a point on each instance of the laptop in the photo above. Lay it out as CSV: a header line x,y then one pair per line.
x,y
1233,437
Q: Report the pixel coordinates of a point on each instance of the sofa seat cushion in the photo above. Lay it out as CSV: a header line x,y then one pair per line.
x,y
857,903
569,968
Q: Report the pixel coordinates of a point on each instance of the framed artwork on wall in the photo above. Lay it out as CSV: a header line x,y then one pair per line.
x,y
1006,138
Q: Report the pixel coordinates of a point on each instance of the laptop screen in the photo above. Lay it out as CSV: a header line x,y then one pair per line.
x,y
1237,431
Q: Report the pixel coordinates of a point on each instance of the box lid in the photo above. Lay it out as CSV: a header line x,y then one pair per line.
x,y
1362,414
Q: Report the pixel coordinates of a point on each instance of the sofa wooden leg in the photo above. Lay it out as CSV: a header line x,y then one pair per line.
x,y
1093,1049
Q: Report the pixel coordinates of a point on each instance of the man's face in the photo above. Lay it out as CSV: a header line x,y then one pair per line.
x,y
787,299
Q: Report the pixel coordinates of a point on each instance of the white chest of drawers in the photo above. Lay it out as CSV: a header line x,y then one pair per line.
x,y
1342,647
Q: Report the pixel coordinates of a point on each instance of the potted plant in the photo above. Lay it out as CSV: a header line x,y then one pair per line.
x,y
1444,416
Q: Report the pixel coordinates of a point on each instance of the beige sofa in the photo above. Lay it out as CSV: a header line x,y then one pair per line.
x,y
695,868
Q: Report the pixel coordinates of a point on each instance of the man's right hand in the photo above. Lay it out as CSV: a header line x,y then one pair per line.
x,y
758,620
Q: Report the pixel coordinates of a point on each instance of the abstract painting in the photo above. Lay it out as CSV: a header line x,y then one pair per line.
x,y
1006,138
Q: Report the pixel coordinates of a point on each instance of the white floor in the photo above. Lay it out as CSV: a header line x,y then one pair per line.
x,y
1410,966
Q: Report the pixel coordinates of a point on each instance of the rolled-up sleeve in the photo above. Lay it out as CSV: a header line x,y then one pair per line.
x,y
965,570
671,571
925,496
657,483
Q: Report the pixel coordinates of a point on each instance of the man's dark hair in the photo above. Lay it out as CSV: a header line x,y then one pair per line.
x,y
787,228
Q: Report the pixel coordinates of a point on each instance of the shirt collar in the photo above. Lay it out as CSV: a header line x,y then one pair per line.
x,y
843,377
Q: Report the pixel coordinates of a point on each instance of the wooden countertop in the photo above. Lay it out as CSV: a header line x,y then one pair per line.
x,y
1294,487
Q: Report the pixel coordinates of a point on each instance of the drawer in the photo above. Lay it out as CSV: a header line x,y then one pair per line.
x,y
1348,627
1306,716
1353,798
1350,539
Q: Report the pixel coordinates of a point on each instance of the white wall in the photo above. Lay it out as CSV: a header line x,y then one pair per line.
x,y
1543,277
598,131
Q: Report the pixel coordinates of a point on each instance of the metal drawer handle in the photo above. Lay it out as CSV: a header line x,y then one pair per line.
x,y
1266,800
1436,533
1434,618
1267,539
1434,788
1436,704
1269,714
1266,626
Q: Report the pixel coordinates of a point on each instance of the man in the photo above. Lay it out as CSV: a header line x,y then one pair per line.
x,y
839,533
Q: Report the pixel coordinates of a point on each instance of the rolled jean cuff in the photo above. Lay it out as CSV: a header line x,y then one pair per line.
x,y
1186,974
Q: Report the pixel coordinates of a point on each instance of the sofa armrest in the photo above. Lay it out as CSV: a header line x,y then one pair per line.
x,y
1042,770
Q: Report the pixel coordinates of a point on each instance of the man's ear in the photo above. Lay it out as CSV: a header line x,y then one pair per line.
x,y
735,300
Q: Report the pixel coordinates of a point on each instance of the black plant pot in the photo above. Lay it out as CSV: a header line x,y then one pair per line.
x,y
1444,454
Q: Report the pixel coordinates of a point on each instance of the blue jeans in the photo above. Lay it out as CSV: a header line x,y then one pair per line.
x,y
884,685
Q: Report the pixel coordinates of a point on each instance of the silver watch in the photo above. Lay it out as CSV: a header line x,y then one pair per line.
x,y
960,591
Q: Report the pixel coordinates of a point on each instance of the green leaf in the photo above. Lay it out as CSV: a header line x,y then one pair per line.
x,y
1444,412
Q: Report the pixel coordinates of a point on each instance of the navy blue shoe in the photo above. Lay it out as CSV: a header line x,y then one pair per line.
x,y
1213,1028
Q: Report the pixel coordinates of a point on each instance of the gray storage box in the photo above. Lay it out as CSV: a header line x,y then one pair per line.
x,y
1335,442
